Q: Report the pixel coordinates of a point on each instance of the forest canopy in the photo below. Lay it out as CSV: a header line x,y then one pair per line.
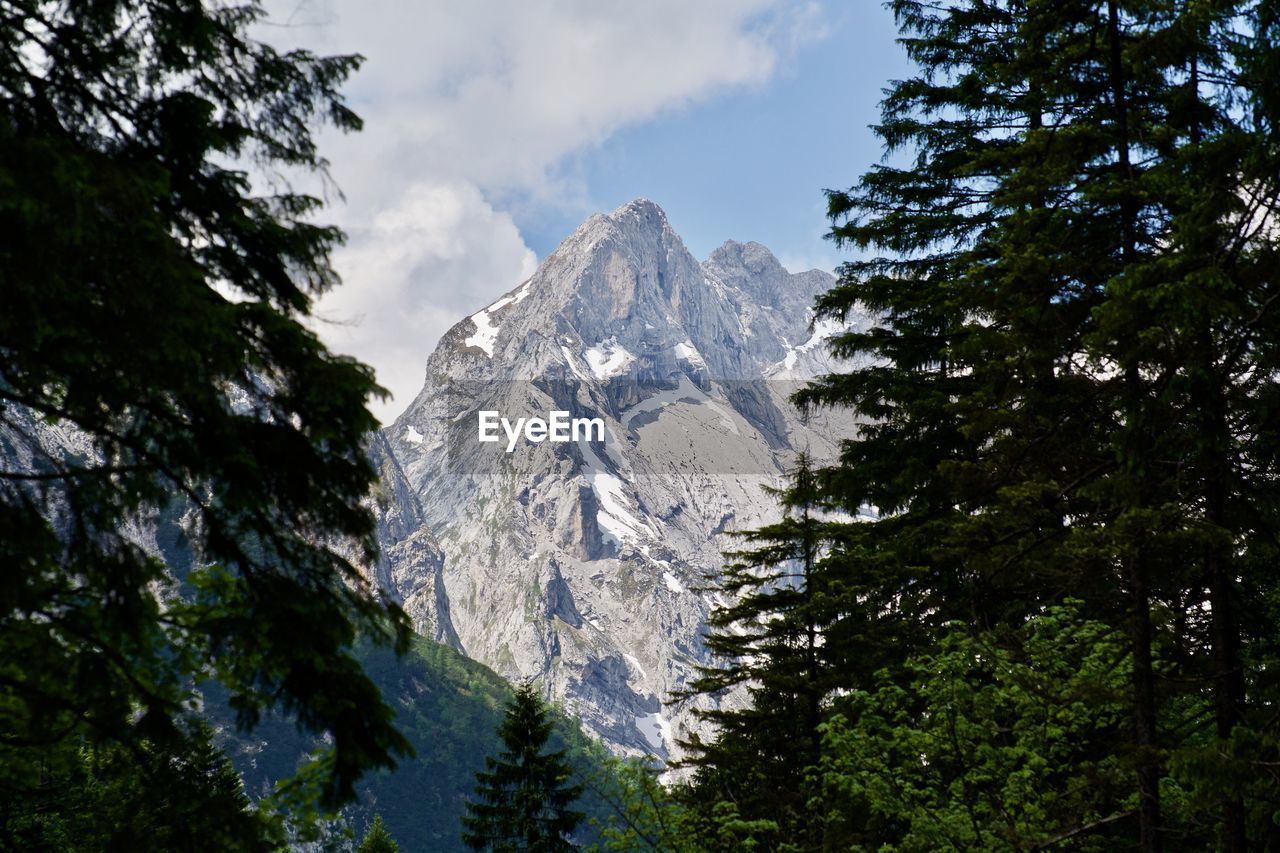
x,y
1061,627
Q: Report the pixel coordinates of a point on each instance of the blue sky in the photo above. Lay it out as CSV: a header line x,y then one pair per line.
x,y
751,164
494,127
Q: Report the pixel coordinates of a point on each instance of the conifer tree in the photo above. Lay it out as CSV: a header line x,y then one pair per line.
x,y
1070,386
158,373
523,799
377,839
113,798
1070,389
768,640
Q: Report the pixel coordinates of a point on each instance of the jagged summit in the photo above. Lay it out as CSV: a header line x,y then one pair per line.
x,y
579,563
626,273
624,284
750,256
640,211
613,269
638,220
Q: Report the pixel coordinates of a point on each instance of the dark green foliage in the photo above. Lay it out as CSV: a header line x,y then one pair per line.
x,y
449,708
1070,394
523,799
1079,385
113,798
155,363
377,839
771,642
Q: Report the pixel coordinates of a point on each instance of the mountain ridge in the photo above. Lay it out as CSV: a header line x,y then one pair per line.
x,y
580,563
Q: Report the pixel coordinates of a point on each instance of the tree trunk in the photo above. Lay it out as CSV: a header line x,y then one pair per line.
x,y
1144,701
1144,707
1228,677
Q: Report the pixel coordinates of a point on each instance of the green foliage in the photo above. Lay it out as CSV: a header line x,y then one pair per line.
x,y
377,839
449,708
523,797
991,746
770,641
113,798
156,365
1069,392
643,814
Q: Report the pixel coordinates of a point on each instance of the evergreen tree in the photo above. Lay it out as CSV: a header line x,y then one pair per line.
x,y
157,373
377,839
1069,392
769,640
523,798
1070,384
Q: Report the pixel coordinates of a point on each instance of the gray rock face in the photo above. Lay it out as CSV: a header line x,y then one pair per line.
x,y
580,562
411,563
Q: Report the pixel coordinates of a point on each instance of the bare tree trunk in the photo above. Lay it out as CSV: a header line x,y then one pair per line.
x,y
1144,701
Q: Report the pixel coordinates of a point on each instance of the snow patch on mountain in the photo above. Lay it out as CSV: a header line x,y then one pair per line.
x,y
812,357
608,358
486,334
687,351
656,731
573,367
617,524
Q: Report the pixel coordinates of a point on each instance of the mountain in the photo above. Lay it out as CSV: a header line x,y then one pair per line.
x,y
580,562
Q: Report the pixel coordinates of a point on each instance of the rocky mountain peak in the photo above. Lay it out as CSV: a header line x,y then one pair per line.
x,y
639,222
581,562
641,214
618,276
752,269
742,261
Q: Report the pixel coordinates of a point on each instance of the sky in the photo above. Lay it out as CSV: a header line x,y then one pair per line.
x,y
494,127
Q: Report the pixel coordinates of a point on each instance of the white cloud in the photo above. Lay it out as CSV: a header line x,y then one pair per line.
x,y
412,272
472,104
